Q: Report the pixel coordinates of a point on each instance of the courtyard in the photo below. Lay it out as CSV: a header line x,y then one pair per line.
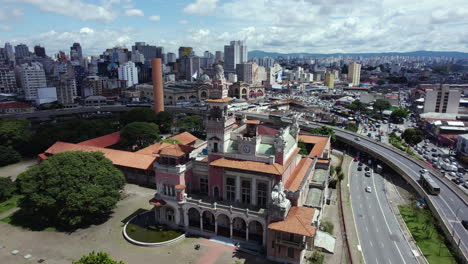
x,y
60,248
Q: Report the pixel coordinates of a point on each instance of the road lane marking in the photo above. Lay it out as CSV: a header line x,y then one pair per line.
x,y
383,214
377,230
381,244
372,245
452,200
367,230
377,261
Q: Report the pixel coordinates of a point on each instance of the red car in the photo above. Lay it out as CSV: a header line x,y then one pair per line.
x,y
356,159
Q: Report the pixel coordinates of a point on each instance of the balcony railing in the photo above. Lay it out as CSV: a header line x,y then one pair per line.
x,y
177,169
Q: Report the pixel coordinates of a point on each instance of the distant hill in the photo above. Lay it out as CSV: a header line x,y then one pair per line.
x,y
452,54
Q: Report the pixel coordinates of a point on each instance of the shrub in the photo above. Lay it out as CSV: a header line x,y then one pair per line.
x,y
8,156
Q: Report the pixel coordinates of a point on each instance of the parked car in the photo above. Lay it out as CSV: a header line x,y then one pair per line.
x,y
367,174
367,169
356,159
368,189
457,180
359,168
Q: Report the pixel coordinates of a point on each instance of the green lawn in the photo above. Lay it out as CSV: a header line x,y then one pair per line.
x,y
10,203
150,236
422,225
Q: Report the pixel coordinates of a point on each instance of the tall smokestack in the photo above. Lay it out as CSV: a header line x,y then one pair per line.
x,y
158,90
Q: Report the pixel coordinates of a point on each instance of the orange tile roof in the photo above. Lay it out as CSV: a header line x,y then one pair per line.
x,y
118,157
104,141
298,222
42,156
253,122
167,149
185,138
298,174
222,100
157,202
248,165
319,144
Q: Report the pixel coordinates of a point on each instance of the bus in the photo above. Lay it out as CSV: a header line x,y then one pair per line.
x,y
431,186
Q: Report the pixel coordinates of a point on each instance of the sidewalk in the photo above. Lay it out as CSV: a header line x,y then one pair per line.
x,y
355,248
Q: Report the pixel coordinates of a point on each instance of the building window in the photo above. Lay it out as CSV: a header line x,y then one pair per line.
x,y
230,189
246,192
203,186
215,147
261,194
273,244
290,252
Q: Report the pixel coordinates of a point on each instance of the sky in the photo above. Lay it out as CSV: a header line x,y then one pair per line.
x,y
314,26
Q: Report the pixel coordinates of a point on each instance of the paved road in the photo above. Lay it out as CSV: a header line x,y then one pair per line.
x,y
378,230
451,207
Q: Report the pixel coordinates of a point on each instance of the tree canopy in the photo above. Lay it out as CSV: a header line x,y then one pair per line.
x,y
7,188
381,105
172,141
352,127
163,119
138,135
357,105
398,114
303,148
8,156
70,189
97,258
14,133
325,131
192,124
412,136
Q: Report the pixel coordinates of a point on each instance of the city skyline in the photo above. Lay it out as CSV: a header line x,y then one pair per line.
x,y
318,26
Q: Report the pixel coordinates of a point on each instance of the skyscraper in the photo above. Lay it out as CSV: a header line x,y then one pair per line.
x,y
39,51
129,72
235,53
7,80
186,52
171,57
330,80
149,51
442,100
21,51
76,54
32,78
354,73
219,56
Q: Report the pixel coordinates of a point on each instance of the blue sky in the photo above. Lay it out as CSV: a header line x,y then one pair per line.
x,y
324,26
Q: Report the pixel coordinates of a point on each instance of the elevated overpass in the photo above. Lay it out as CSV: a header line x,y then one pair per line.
x,y
450,207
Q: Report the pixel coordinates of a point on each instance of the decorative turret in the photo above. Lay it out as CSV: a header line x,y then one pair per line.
x,y
280,205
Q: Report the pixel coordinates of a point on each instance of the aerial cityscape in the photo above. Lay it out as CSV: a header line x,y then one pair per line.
x,y
233,131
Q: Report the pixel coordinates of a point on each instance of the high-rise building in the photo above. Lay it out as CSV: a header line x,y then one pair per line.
x,y
10,54
235,53
246,72
32,77
39,51
354,73
219,56
137,57
76,54
149,51
330,80
442,100
7,80
128,72
65,84
186,52
171,57
21,51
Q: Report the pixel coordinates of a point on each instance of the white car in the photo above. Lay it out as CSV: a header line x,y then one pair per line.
x,y
368,189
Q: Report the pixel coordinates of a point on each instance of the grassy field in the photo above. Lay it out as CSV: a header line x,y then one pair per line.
x,y
10,203
150,236
423,228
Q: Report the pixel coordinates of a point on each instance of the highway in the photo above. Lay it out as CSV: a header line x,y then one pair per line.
x,y
451,207
379,234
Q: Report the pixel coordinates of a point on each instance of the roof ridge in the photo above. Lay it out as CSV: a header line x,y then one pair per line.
x,y
303,225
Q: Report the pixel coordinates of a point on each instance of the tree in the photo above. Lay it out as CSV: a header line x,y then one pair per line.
x,y
357,105
70,190
138,135
97,258
15,133
164,121
7,188
412,136
398,114
327,226
325,131
352,127
192,124
8,156
381,105
138,114
303,148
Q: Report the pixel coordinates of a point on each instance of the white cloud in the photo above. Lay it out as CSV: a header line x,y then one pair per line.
x,y
93,40
5,27
201,7
154,18
183,21
75,8
7,13
134,12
